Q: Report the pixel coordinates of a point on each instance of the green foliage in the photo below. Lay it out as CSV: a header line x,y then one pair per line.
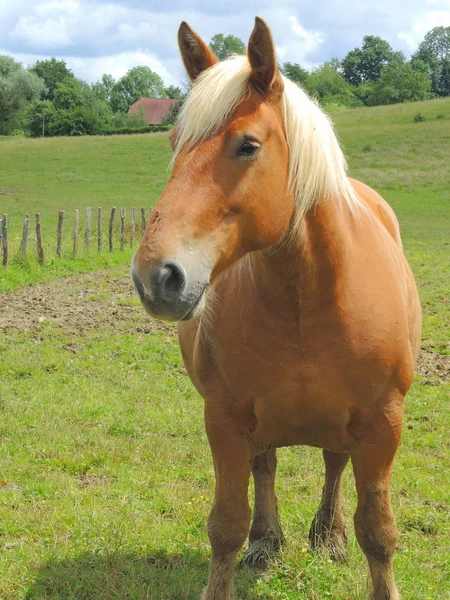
x,y
173,113
139,82
434,53
400,82
17,89
366,63
329,87
364,91
103,88
419,118
174,92
295,73
437,43
76,121
132,130
40,118
53,72
225,46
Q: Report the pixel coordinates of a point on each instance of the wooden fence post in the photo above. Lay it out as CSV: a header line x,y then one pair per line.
x,y
24,241
133,226
122,228
111,225
87,232
143,222
59,234
76,224
99,229
5,239
40,249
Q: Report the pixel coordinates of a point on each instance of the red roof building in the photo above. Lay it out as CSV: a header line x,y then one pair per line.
x,y
153,109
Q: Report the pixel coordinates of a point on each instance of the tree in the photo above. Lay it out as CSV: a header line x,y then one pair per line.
x,y
53,72
139,82
175,92
77,121
173,113
329,87
434,52
103,88
225,46
295,73
40,117
17,89
366,63
401,83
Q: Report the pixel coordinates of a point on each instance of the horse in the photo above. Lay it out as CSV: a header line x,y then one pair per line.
x,y
298,316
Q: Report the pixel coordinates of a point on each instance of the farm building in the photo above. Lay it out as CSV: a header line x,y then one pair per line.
x,y
153,109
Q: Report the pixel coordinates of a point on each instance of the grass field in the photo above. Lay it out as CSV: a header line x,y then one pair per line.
x,y
105,472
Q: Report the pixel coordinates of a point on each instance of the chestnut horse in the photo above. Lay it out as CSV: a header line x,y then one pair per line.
x,y
299,320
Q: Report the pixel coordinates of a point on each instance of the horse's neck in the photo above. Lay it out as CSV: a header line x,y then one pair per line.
x,y
311,262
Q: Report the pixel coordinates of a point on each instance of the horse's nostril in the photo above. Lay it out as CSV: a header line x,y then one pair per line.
x,y
168,280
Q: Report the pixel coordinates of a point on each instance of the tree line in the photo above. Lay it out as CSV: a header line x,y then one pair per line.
x,y
47,99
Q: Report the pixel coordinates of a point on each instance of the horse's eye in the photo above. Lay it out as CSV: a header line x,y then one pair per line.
x,y
247,149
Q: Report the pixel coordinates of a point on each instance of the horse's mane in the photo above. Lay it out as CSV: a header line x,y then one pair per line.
x,y
317,169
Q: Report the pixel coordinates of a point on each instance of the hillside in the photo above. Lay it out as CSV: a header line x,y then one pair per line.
x,y
405,161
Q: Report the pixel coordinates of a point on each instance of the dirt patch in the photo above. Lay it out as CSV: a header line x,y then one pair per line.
x,y
105,299
6,193
434,366
88,480
78,304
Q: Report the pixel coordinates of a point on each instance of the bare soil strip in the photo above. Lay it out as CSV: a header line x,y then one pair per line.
x,y
104,299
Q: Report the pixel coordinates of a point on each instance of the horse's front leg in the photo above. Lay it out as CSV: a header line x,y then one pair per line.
x,y
374,520
266,536
229,520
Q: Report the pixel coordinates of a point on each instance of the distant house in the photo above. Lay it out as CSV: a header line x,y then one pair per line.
x,y
153,109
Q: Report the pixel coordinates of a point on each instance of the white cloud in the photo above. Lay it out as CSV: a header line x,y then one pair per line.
x,y
100,36
91,69
423,24
310,39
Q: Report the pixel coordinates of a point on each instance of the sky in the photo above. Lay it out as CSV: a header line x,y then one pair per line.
x,y
101,36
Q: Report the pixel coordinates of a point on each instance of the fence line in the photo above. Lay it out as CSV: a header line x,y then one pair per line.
x,y
127,232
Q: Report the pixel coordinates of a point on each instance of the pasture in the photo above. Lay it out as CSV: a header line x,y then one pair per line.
x,y
105,472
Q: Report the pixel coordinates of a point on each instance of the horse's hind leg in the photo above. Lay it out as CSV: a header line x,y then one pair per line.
x,y
265,536
374,520
328,527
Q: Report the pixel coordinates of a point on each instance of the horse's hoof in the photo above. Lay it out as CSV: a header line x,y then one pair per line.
x,y
333,542
259,553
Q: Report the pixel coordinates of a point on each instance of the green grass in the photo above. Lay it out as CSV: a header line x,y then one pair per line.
x,y
106,479
105,472
48,175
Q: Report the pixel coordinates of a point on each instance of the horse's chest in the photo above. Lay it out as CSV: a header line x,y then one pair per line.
x,y
288,389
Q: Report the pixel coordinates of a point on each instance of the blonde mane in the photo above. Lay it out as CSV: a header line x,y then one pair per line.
x,y
317,167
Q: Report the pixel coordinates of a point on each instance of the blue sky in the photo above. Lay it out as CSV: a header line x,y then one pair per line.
x,y
100,36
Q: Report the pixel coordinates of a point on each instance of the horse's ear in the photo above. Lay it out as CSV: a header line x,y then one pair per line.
x,y
265,74
197,57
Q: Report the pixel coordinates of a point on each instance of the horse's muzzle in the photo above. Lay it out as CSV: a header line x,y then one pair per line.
x,y
166,294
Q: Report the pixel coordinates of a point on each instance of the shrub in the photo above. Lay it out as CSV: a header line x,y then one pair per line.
x,y
419,118
367,148
131,130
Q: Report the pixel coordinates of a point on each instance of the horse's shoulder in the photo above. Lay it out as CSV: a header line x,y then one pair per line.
x,y
379,207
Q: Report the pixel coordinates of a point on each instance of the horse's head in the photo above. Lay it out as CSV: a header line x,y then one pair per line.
x,y
227,194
